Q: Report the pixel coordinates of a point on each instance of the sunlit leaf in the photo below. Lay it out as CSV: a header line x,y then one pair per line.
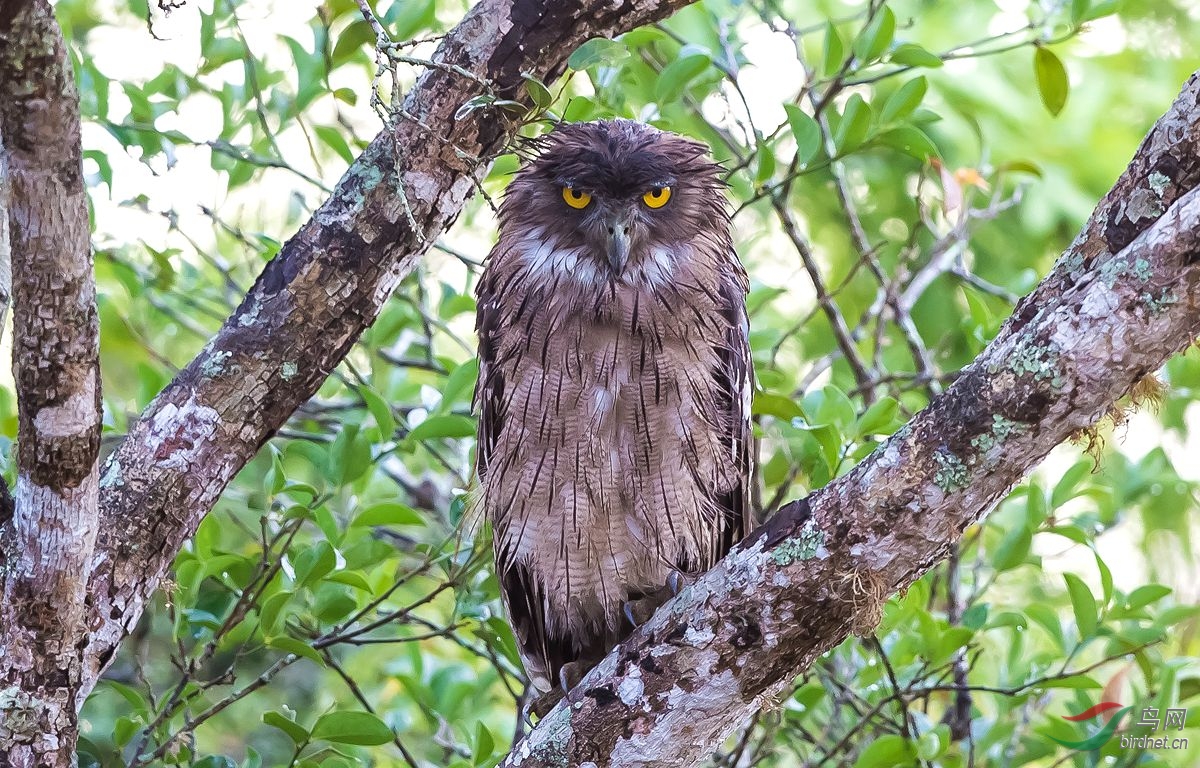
x,y
598,51
1052,80
876,36
361,728
806,132
296,732
1083,604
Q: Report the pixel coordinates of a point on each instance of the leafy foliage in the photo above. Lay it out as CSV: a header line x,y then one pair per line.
x,y
897,182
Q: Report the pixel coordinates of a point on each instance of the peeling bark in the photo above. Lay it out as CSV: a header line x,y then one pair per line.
x,y
1117,304
47,541
324,288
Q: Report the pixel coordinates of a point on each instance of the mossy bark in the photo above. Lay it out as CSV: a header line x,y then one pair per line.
x,y
48,531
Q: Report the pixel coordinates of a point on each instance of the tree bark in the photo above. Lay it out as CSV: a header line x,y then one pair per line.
x,y
1117,304
47,540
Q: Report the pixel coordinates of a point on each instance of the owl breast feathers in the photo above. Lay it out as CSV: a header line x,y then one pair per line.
x,y
614,386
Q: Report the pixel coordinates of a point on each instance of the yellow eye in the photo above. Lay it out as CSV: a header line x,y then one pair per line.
x,y
657,197
576,198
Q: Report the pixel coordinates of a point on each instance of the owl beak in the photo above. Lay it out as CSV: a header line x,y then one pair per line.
x,y
618,243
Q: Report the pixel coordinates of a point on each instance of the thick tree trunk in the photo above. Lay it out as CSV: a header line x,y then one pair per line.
x,y
1121,301
48,540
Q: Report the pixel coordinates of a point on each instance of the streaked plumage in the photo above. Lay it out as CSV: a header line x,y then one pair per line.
x,y
614,385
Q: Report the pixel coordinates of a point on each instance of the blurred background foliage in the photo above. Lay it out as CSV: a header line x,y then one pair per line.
x,y
900,173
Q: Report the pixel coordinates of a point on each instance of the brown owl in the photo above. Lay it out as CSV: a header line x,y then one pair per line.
x,y
614,388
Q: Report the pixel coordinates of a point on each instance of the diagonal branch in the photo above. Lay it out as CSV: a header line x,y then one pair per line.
x,y
1118,303
324,288
46,544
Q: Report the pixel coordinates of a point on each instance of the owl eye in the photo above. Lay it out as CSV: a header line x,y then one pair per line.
x,y
657,197
575,198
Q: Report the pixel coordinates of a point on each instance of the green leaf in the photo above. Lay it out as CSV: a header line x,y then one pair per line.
x,y
351,454
835,50
296,732
333,602
912,55
975,617
296,647
314,563
1079,10
388,513
125,729
1102,8
1083,604
854,126
461,380
835,408
103,165
269,609
905,99
352,578
1020,166
448,425
887,751
1052,79
1047,618
131,695
1013,549
353,40
806,132
674,79
410,17
276,477
360,728
879,419
934,742
333,138
380,411
1075,682
1065,488
765,160
1144,595
221,51
910,140
1106,579
598,51
876,37
542,98
483,745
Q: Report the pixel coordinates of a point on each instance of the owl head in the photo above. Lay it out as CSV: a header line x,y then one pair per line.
x,y
615,195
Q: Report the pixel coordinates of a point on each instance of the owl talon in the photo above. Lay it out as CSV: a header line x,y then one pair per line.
x,y
677,580
542,704
569,676
674,582
638,612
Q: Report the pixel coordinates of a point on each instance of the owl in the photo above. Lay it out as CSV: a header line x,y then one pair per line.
x,y
614,451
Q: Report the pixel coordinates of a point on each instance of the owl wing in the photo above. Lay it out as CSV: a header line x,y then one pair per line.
x,y
735,385
521,593
489,388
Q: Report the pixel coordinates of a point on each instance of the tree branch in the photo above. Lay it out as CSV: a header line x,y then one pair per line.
x,y
324,288
1115,307
48,540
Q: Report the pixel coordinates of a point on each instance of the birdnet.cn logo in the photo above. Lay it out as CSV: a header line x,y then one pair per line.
x,y
1170,720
